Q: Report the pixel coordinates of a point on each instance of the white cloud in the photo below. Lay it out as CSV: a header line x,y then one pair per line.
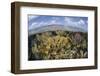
x,y
67,20
37,24
32,25
30,17
53,22
81,22
42,23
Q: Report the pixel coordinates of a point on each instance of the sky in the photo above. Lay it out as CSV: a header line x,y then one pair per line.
x,y
36,21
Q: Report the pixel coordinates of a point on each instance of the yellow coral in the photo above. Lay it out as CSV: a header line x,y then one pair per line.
x,y
56,46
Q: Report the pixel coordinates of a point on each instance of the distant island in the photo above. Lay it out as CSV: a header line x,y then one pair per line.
x,y
55,27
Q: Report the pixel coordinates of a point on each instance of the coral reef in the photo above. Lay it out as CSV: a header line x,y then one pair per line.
x,y
58,45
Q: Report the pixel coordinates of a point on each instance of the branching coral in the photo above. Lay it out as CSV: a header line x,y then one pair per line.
x,y
61,45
